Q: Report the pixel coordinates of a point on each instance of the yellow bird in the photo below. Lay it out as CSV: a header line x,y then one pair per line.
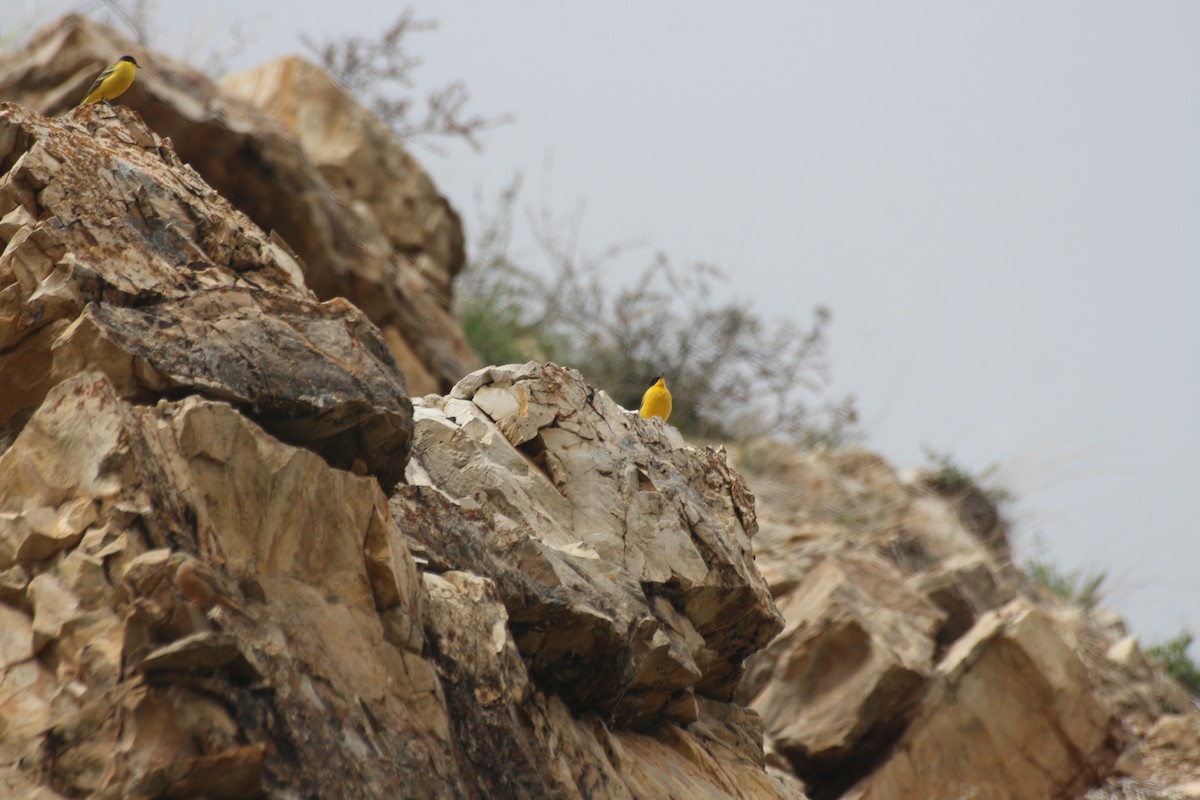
x,y
656,402
112,82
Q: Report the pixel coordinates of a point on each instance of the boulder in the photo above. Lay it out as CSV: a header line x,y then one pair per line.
x,y
840,683
621,554
1010,713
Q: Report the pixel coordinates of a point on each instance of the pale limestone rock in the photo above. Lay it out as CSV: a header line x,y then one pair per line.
x,y
84,575
27,690
16,637
13,582
53,607
641,548
301,538
168,358
1188,790
963,586
42,532
266,508
948,546
1126,653
203,652
458,601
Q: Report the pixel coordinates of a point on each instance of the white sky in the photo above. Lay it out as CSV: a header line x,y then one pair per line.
x,y
999,202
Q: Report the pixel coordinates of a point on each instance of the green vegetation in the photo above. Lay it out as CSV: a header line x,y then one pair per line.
x,y
732,374
1172,654
950,476
1077,588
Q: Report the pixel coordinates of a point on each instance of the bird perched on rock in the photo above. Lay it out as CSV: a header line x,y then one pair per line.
x,y
112,82
656,402
200,585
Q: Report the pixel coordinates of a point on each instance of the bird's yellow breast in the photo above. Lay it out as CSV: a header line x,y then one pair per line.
x,y
113,84
656,402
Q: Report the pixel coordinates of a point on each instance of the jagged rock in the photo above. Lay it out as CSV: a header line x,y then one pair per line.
x,y
1036,727
394,270
1127,655
53,607
852,662
158,701
816,508
13,581
42,532
16,638
1171,753
203,652
169,357
964,587
620,555
198,475
975,509
167,289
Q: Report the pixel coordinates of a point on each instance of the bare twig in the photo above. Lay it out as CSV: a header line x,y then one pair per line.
x,y
380,70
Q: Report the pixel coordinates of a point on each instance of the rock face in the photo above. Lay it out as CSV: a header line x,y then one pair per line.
x,y
391,253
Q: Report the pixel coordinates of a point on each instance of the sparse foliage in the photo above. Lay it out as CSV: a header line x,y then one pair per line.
x,y
491,302
951,476
1077,588
1173,655
379,70
732,375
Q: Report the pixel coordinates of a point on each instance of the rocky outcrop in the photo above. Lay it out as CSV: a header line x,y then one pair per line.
x,y
120,258
178,388
391,253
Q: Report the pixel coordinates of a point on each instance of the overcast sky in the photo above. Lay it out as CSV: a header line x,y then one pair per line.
x,y
999,203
